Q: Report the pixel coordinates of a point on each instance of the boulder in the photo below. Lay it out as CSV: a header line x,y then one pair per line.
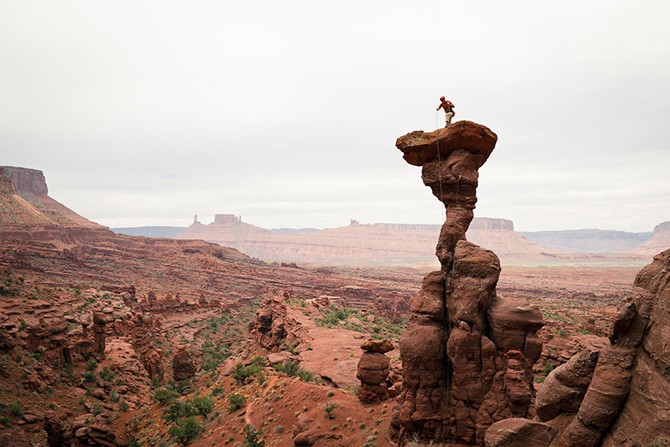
x,y
183,366
518,432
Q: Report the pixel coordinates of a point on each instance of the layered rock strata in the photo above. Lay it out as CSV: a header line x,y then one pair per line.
x,y
467,355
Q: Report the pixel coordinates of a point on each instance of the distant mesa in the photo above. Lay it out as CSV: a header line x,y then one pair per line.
x,y
414,244
25,201
355,244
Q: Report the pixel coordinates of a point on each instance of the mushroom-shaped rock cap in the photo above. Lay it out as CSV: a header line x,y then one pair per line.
x,y
421,147
381,346
99,318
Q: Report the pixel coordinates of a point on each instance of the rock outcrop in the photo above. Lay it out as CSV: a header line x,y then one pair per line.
x,y
619,396
183,366
372,371
467,355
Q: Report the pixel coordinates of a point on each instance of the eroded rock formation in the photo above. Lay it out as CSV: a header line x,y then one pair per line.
x,y
273,329
618,396
372,371
183,366
467,355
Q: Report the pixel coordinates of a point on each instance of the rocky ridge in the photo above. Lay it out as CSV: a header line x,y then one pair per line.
x,y
618,395
467,354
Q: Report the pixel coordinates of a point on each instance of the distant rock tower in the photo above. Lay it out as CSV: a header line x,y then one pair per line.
x,y
467,355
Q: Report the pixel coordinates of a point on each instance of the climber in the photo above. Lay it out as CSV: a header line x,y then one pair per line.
x,y
448,107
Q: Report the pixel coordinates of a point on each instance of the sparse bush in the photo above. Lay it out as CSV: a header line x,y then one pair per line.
x,y
10,285
328,408
252,437
235,402
293,369
180,409
242,373
213,355
165,395
96,409
16,410
203,405
91,365
186,430
217,391
89,376
123,406
548,367
107,374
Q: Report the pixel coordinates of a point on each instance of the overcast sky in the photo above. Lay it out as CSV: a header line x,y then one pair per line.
x,y
286,112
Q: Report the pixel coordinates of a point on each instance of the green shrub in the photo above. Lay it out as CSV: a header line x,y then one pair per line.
x,y
242,373
16,410
91,365
203,405
217,391
10,285
329,407
252,437
186,430
292,368
165,395
107,375
97,409
180,409
236,401
213,355
89,376
123,406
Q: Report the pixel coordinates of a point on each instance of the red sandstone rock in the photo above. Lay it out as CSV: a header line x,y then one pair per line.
x,y
183,366
273,329
373,369
420,148
380,346
467,355
564,388
517,432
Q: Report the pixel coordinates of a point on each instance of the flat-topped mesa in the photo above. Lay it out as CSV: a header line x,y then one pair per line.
x,y
26,180
467,355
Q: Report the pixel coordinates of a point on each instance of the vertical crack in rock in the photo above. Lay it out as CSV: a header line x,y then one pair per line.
x,y
467,355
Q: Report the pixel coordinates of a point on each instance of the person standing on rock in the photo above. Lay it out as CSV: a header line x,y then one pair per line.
x,y
448,107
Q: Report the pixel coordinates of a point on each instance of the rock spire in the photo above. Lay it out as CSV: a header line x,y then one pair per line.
x,y
467,355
